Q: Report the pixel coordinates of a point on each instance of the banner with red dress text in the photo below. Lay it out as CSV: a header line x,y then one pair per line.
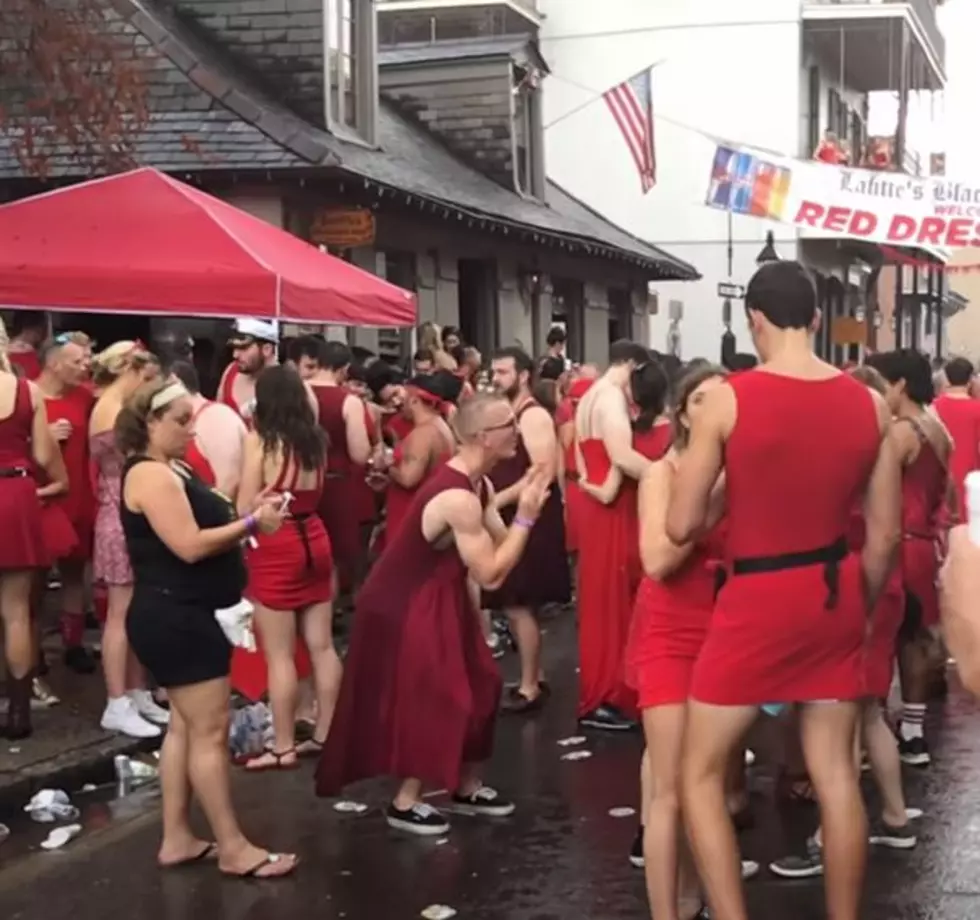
x,y
889,208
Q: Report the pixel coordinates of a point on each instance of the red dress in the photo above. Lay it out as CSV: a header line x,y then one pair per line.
x,y
25,364
22,546
194,456
886,620
420,690
609,573
924,486
338,505
227,393
69,519
670,623
288,570
398,499
789,623
961,416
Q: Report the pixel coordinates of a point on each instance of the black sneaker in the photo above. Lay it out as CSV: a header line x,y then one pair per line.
x,y
636,851
896,838
809,866
608,719
485,801
79,660
420,819
914,751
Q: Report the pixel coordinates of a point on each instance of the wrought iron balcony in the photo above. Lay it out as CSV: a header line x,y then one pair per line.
x,y
528,7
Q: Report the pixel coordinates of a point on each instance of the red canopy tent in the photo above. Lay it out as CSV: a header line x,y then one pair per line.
x,y
142,242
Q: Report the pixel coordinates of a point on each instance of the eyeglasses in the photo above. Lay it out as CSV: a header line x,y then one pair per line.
x,y
511,424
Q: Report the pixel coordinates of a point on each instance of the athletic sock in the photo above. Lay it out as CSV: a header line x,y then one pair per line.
x,y
913,715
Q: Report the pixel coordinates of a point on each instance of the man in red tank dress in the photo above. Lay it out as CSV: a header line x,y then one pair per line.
x,y
29,330
608,568
69,405
960,413
254,347
541,577
799,443
420,690
341,414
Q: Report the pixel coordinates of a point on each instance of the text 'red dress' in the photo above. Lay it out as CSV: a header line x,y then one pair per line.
x,y
609,573
20,510
338,506
541,576
670,624
420,690
789,623
924,485
289,570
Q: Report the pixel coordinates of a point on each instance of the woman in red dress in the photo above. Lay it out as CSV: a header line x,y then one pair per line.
x,y
799,443
928,501
26,445
291,571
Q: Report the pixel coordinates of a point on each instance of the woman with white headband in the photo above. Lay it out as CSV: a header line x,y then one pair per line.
x,y
184,541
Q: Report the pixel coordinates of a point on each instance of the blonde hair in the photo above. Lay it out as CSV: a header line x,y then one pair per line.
x,y
4,343
110,363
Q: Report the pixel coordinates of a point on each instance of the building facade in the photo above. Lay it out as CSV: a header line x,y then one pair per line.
x,y
770,74
406,137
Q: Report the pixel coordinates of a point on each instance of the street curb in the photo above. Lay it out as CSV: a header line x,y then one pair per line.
x,y
91,763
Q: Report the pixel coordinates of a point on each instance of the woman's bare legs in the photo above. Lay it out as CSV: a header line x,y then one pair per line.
x,y
885,763
277,634
317,625
713,734
671,882
15,609
827,731
203,710
119,670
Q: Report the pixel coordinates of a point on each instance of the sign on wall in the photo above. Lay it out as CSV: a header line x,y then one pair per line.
x,y
343,228
878,206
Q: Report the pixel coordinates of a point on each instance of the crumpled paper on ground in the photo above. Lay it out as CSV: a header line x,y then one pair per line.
x,y
50,805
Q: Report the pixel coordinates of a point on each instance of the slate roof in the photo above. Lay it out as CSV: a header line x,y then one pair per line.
x,y
207,115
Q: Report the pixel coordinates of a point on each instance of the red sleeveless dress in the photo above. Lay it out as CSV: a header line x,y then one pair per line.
x,y
789,624
670,624
420,690
288,570
25,364
924,486
609,574
20,509
69,519
195,458
541,576
227,394
886,619
961,416
338,507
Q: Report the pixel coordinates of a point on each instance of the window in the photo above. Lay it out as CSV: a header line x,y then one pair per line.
x,y
813,121
526,129
351,67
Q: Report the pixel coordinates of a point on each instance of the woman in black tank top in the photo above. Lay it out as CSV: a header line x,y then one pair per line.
x,y
184,544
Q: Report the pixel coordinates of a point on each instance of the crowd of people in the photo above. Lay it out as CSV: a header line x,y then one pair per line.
x,y
737,540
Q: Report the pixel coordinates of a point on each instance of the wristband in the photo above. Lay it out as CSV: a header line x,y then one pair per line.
x,y
521,521
251,524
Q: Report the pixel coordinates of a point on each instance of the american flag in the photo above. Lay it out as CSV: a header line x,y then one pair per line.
x,y
631,104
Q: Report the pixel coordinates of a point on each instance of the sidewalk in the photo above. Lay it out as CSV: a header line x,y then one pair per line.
x,y
68,748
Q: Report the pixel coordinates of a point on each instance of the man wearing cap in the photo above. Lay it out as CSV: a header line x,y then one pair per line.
x,y
254,346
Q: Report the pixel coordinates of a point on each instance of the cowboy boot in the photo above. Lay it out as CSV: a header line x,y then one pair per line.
x,y
19,707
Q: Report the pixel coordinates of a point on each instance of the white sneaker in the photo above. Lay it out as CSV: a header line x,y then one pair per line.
x,y
148,707
121,716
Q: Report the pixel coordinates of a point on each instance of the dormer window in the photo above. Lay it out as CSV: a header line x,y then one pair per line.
x,y
351,68
527,131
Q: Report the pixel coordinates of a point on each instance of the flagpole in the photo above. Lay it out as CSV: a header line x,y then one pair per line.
x,y
595,98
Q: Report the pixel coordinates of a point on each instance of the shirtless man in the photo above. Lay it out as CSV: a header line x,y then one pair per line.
x,y
254,348
541,577
609,542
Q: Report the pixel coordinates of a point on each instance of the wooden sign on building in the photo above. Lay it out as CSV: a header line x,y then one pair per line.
x,y
343,228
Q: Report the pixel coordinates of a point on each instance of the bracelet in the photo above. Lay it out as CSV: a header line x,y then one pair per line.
x,y
251,524
526,523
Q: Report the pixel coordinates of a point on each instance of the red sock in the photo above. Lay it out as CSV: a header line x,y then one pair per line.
x,y
72,629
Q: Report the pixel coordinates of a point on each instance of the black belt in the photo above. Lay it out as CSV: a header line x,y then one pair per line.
x,y
829,557
14,472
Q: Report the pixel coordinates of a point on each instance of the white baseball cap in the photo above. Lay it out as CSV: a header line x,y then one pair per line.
x,y
264,330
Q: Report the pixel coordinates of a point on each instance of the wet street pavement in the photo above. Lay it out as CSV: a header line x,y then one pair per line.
x,y
561,856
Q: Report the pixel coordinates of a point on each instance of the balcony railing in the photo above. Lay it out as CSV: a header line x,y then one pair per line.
x,y
925,12
528,6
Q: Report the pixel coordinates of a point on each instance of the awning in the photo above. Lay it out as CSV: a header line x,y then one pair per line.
x,y
142,242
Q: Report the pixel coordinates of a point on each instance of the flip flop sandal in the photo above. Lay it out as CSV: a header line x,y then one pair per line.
x,y
270,859
275,764
208,854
